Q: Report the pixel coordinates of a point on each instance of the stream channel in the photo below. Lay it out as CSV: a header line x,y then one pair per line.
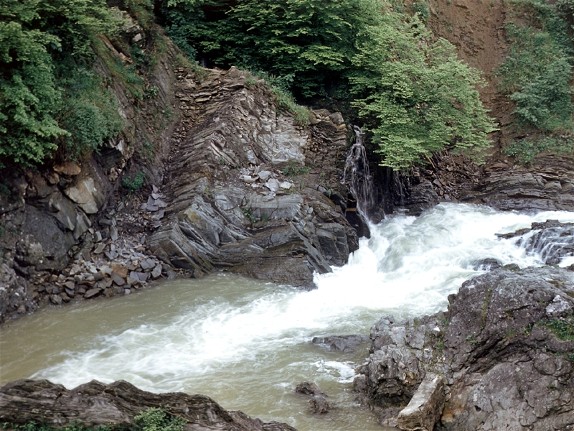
x,y
247,343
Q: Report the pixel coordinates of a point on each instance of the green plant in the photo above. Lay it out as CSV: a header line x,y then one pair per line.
x,y
562,328
155,419
133,183
537,72
89,112
525,150
293,169
35,37
414,95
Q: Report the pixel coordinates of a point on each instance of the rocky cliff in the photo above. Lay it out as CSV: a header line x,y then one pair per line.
x,y
208,174
249,190
500,357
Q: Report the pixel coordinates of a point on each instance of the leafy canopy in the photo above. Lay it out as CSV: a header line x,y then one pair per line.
x,y
413,93
36,36
410,91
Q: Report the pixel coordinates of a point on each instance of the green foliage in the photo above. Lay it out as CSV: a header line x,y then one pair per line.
x,y
35,37
28,95
133,183
309,40
293,169
562,328
151,419
366,56
414,95
538,69
89,113
154,419
525,150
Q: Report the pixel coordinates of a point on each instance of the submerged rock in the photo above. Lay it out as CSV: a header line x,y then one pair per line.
x,y
116,404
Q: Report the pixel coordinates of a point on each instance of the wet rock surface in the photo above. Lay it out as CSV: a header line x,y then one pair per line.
x,y
246,186
318,403
504,348
116,404
548,185
551,240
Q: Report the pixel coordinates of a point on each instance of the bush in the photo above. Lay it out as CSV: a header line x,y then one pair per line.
x,y
413,94
35,37
538,69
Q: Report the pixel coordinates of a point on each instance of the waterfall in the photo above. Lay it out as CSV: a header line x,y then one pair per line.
x,y
357,175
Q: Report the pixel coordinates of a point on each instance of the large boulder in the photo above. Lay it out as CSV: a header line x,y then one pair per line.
x,y
248,188
116,404
504,348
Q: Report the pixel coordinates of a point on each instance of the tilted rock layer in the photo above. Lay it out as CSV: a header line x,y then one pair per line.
x,y
248,189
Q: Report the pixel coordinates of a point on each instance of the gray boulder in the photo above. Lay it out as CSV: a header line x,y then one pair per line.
x,y
504,349
94,404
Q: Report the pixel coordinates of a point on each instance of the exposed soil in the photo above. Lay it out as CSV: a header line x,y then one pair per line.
x,y
477,29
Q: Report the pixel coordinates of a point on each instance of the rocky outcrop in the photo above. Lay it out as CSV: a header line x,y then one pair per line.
x,y
248,188
551,240
115,405
548,185
504,348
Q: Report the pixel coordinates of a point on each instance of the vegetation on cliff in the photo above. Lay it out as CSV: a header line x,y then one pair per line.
x,y
371,57
49,96
537,74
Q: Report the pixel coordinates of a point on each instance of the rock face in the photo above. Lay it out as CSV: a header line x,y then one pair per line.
x,y
116,404
504,347
548,186
551,240
248,188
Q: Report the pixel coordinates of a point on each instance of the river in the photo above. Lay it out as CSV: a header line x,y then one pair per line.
x,y
246,343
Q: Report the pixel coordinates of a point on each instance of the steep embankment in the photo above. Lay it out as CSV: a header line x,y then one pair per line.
x,y
479,31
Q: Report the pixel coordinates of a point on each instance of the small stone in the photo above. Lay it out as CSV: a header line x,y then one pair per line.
x,y
68,168
70,285
139,276
286,185
119,281
56,299
100,248
156,273
147,264
92,292
264,175
272,184
114,233
119,270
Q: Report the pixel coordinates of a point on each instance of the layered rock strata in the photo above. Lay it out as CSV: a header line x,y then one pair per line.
x,y
248,189
116,405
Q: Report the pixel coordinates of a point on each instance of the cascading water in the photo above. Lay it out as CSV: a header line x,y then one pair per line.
x,y
357,175
247,343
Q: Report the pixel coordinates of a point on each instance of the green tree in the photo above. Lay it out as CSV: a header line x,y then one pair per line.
x,y
28,95
306,43
414,95
35,36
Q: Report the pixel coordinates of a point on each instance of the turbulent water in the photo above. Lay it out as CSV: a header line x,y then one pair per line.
x,y
247,343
